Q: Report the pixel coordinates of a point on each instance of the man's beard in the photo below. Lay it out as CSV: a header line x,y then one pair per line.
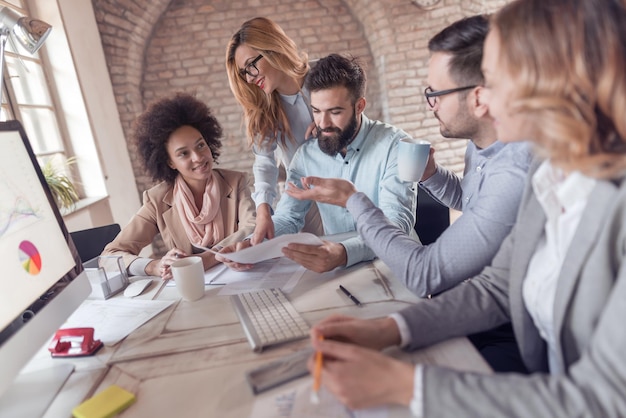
x,y
332,144
462,125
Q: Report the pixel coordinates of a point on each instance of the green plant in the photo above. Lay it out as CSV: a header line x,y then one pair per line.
x,y
62,188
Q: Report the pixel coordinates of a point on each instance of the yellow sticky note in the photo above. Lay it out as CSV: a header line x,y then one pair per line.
x,y
105,404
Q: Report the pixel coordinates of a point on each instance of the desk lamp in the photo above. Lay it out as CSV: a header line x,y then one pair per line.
x,y
30,33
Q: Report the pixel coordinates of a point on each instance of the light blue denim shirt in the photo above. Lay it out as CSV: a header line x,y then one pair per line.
x,y
265,167
371,164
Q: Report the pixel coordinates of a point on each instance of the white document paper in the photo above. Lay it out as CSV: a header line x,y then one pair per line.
x,y
214,275
295,402
276,272
271,248
280,273
113,319
225,276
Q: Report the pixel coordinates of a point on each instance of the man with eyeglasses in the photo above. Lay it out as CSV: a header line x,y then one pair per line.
x,y
488,194
491,188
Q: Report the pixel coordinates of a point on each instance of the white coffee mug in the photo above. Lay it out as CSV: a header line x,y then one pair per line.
x,y
188,275
412,158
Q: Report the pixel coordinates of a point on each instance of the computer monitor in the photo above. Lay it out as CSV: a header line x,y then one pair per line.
x,y
41,276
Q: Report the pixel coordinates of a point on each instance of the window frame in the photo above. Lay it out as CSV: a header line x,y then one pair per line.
x,y
12,108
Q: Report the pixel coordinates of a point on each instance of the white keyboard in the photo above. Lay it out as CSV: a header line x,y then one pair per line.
x,y
268,318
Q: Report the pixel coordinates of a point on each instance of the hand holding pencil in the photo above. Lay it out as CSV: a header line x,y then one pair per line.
x,y
358,377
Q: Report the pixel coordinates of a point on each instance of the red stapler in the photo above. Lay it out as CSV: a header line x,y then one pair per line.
x,y
74,342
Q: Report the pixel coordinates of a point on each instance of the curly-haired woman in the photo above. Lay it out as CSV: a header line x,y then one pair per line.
x,y
178,140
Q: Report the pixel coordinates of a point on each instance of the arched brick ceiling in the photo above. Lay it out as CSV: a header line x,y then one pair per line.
x,y
125,29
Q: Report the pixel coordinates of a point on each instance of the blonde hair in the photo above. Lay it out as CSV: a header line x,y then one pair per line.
x,y
264,114
568,59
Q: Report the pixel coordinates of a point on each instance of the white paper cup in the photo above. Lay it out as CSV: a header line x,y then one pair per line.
x,y
412,158
188,275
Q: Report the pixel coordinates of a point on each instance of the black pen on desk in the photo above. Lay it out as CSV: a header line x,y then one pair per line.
x,y
350,295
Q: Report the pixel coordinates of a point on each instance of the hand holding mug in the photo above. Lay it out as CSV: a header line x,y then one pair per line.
x,y
412,158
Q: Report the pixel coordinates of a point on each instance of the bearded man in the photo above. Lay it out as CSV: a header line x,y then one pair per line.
x,y
488,194
348,146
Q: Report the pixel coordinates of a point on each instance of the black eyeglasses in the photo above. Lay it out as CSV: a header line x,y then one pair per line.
x,y
431,94
250,69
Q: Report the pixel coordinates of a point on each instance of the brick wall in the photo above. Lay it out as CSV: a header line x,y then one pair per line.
x,y
157,47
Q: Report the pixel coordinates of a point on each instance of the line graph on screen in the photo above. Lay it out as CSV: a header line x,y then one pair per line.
x,y
16,213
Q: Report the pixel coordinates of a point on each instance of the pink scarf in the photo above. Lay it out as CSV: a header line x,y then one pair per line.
x,y
203,227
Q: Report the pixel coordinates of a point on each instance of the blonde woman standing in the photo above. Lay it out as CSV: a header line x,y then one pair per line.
x,y
266,72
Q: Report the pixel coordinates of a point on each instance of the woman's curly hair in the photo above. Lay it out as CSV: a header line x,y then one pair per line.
x,y
153,128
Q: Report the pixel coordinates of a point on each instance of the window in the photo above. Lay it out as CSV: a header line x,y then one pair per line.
x,y
27,97
67,89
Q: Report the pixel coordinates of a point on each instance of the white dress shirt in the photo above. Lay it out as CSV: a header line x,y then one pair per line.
x,y
563,199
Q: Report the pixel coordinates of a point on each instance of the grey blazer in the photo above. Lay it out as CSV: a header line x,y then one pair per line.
x,y
589,315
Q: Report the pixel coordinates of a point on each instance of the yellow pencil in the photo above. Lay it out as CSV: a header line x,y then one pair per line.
x,y
317,375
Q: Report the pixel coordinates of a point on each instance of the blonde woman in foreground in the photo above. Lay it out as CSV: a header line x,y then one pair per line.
x,y
554,73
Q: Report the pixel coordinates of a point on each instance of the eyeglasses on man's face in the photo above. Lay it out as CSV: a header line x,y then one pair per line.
x,y
250,69
431,95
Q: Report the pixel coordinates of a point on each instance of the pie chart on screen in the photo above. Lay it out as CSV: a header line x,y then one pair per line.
x,y
30,257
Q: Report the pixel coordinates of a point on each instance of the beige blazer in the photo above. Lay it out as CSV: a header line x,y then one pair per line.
x,y
159,215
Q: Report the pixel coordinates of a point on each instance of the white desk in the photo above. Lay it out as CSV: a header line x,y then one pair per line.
x,y
190,360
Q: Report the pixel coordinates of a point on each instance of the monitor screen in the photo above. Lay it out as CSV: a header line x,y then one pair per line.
x,y
41,274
